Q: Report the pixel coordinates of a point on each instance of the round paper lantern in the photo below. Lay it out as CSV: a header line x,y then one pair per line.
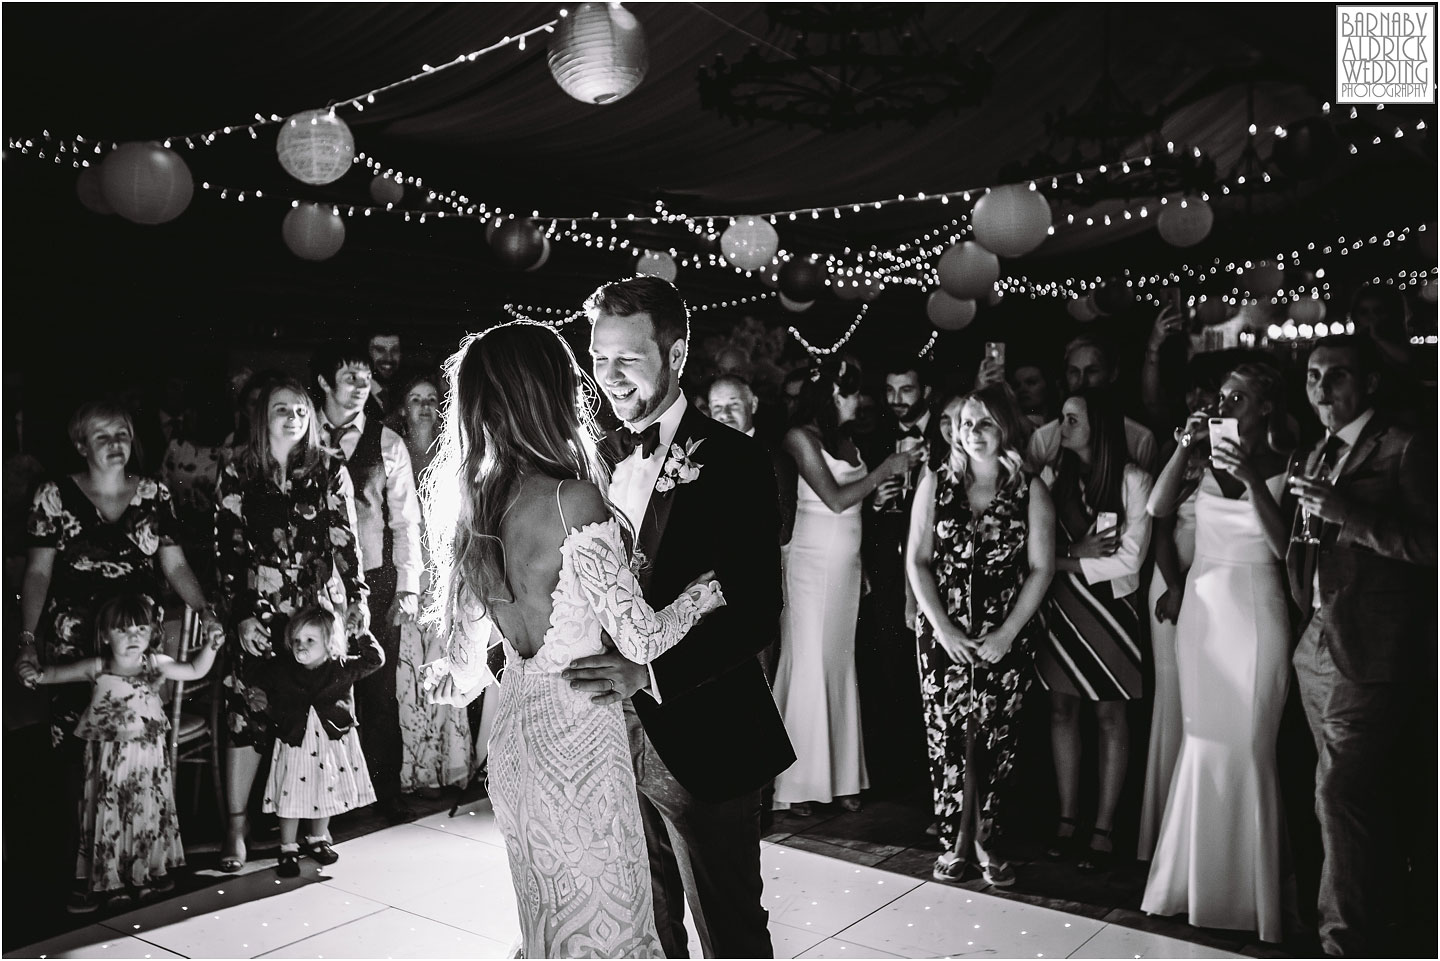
x,y
544,256
1307,310
1113,298
598,53
657,263
91,191
1212,311
315,147
1185,222
1083,309
1307,148
1011,221
1428,292
802,278
749,242
968,270
796,306
1264,280
313,231
993,298
386,191
518,244
146,183
846,288
949,313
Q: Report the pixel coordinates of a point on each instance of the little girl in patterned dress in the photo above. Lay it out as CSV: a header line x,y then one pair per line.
x,y
130,835
318,769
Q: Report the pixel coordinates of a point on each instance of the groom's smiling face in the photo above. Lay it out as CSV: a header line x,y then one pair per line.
x,y
629,368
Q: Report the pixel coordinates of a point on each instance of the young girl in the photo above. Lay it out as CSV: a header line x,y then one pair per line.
x,y
318,770
129,834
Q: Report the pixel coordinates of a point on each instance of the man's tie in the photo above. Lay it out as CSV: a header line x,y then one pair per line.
x,y
648,440
336,433
1329,457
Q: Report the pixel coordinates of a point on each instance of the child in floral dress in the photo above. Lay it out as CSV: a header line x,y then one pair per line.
x,y
130,835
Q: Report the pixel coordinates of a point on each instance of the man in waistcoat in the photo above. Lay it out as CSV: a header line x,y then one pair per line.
x,y
388,517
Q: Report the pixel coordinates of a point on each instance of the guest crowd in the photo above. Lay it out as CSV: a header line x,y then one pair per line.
x,y
949,559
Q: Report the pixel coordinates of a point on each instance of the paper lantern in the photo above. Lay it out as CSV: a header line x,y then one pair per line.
x,y
1307,310
1306,148
544,256
1113,298
796,306
968,271
386,191
995,296
1212,311
313,231
949,313
518,244
1186,222
657,263
598,53
146,183
1083,309
749,242
802,278
846,288
91,191
315,147
1263,280
1011,221
1428,292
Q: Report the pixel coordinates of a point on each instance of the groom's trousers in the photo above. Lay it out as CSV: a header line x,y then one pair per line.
x,y
708,851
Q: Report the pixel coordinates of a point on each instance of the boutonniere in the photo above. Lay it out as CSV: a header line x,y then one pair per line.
x,y
679,468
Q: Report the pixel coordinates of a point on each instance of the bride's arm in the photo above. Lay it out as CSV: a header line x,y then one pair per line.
x,y
613,592
460,675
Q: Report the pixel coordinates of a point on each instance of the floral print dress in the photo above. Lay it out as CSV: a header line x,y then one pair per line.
x,y
129,831
980,563
276,552
95,560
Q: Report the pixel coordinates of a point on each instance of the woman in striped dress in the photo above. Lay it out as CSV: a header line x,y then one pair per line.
x,y
1093,649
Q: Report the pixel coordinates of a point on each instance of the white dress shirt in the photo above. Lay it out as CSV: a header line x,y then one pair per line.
x,y
633,484
1044,446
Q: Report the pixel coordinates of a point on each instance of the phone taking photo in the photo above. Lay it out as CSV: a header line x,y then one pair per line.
x,y
995,350
1223,428
1106,522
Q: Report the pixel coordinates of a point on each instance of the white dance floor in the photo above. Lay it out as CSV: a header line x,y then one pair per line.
x,y
440,888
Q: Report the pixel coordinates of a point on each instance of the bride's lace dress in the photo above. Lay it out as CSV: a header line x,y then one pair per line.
x,y
560,772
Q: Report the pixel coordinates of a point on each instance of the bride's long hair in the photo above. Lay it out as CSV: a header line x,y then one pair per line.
x,y
516,403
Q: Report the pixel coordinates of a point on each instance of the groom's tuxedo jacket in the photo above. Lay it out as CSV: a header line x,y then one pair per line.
x,y
716,727
1376,571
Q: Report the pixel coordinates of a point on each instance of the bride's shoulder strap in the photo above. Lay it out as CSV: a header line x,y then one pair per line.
x,y
564,527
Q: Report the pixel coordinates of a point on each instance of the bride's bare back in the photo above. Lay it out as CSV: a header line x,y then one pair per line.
x,y
533,534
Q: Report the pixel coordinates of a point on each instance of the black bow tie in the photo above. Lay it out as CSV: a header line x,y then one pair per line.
x,y
648,440
915,432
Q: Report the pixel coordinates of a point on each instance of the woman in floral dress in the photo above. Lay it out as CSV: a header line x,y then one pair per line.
x,y
284,537
438,751
980,558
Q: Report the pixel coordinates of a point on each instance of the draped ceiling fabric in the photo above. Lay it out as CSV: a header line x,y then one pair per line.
x,y
501,131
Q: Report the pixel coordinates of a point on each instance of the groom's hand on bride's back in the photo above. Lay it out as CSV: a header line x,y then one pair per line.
x,y
608,676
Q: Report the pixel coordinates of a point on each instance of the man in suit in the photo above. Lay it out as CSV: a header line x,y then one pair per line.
x,y
385,359
705,733
1368,590
885,660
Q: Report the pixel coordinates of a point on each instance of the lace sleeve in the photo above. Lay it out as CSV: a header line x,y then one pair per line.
x,y
613,591
463,662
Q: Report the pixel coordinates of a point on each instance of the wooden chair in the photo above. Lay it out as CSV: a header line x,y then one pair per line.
x,y
197,716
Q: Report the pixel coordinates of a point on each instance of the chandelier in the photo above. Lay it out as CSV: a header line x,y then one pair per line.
x,y
844,66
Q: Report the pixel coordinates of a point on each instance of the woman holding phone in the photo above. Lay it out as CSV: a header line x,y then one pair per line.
x,y
1092,652
1218,854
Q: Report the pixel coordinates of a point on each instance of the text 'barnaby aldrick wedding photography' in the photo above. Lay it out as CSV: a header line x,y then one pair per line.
x,y
1385,54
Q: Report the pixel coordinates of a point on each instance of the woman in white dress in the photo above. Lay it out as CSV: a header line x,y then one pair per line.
x,y
1218,855
815,682
529,554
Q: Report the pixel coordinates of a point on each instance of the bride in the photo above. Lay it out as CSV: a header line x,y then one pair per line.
x,y
530,555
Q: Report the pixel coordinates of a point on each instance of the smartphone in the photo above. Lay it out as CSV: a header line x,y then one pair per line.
x,y
996,352
1223,428
1106,522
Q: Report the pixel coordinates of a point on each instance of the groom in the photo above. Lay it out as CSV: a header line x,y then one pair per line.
x,y
704,730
